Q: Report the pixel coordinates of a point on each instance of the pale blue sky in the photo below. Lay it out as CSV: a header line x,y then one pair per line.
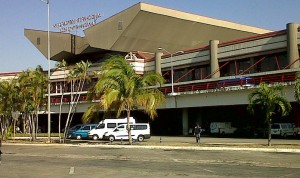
x,y
18,54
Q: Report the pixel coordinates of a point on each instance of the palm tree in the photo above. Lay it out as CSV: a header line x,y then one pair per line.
x,y
33,89
121,89
9,103
61,66
270,100
78,76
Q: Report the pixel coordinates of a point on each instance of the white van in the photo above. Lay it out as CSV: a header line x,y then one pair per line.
x,y
107,125
221,128
283,129
139,132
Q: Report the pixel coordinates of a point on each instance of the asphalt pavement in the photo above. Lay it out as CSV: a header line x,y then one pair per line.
x,y
180,142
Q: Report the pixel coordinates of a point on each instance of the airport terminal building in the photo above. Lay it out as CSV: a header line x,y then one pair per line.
x,y
215,64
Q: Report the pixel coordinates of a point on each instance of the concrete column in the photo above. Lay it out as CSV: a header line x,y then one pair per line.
x,y
185,121
158,62
292,46
214,62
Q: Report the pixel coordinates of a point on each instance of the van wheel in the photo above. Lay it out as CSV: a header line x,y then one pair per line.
x,y
95,137
140,138
78,137
111,138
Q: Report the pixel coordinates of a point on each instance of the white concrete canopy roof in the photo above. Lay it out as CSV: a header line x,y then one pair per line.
x,y
145,27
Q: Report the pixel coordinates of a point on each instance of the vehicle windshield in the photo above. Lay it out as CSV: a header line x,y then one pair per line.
x,y
76,127
100,126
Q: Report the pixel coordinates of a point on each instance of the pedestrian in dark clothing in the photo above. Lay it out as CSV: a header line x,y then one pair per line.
x,y
197,133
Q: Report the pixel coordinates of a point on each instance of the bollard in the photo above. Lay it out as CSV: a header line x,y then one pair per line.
x,y
160,140
121,141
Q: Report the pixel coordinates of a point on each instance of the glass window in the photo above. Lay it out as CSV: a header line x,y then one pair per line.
x,y
87,127
111,125
101,126
141,127
120,128
76,127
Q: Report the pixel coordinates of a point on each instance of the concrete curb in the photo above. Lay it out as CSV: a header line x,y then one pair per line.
x,y
204,148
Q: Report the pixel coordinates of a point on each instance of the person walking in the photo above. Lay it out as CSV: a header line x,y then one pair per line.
x,y
197,132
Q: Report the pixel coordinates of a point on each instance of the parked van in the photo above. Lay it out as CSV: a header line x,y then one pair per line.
x,y
283,129
107,125
221,128
139,132
82,131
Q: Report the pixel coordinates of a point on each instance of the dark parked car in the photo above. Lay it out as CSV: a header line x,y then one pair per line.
x,y
80,131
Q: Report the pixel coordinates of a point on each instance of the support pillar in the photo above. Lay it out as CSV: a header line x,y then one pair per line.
x,y
214,62
158,62
185,121
292,46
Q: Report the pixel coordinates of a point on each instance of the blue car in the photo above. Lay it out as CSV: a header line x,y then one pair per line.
x,y
80,131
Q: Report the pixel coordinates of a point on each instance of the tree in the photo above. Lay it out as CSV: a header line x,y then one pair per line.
x,y
33,89
9,103
271,101
122,90
77,76
61,66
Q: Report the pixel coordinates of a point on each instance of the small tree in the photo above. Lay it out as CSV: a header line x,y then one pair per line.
x,y
271,101
33,89
9,103
122,90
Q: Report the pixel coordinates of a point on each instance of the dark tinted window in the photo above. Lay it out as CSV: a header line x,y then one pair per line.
x,y
100,126
87,127
111,125
139,127
122,123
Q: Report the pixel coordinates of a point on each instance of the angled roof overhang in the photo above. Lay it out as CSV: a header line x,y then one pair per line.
x,y
62,45
142,27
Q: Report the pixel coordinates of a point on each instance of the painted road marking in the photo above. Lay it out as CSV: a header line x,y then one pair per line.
x,y
72,170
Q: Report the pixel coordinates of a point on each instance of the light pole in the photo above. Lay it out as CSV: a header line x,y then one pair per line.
x,y
48,55
172,68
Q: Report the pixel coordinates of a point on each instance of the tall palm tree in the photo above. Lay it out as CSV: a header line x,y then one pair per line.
x,y
271,101
61,66
78,76
122,90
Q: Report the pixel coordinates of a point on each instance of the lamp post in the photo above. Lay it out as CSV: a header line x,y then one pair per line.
x,y
172,68
48,56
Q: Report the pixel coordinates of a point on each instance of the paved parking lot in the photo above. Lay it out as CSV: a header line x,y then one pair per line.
x,y
79,160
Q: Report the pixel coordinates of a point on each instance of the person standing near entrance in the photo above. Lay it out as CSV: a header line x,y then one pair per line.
x,y
197,132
